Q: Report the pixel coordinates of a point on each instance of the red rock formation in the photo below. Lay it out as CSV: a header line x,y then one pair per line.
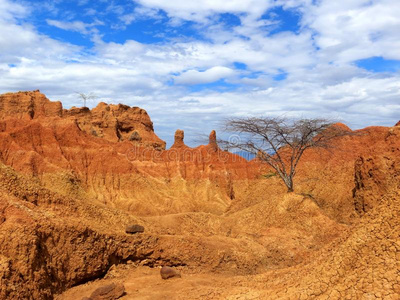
x,y
28,105
178,141
341,126
117,123
212,141
72,180
66,148
111,122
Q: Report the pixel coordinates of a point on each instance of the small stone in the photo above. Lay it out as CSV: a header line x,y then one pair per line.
x,y
132,229
94,132
135,136
108,292
168,272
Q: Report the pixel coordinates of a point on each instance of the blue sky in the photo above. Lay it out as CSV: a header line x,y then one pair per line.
x,y
191,64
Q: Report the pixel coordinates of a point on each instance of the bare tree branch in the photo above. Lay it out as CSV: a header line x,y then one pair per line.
x,y
281,142
86,97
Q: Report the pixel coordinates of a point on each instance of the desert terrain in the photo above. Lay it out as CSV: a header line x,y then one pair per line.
x,y
72,180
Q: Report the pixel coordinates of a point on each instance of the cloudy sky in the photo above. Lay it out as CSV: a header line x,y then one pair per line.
x,y
190,64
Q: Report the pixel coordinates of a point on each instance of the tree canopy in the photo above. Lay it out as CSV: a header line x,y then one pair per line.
x,y
280,142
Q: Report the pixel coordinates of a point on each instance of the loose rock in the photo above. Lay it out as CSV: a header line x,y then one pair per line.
x,y
132,229
108,292
168,272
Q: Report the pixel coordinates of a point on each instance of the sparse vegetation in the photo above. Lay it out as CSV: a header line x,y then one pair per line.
x,y
280,142
269,175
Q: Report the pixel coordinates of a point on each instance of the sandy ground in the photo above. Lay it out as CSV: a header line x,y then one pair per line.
x,y
145,283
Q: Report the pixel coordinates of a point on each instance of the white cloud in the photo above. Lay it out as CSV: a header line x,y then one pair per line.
x,y
201,9
9,11
72,26
213,74
146,12
356,29
82,2
78,26
140,13
118,53
128,18
20,41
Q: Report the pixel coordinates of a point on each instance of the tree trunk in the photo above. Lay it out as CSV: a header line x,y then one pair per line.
x,y
290,185
288,182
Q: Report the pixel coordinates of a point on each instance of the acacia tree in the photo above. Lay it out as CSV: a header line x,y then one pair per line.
x,y
280,142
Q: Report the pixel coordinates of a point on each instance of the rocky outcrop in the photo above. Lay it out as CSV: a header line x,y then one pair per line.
x,y
178,139
111,122
28,105
212,141
117,123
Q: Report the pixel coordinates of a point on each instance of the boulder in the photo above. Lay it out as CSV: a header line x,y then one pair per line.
x,y
168,272
108,292
132,229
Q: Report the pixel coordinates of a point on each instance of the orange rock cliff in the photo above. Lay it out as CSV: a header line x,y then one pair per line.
x,y
71,180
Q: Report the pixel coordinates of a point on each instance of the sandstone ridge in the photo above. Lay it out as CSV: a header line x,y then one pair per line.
x,y
111,122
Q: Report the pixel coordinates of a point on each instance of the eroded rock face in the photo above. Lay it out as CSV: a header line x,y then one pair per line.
x,y
117,123
28,105
108,121
72,178
80,152
43,251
